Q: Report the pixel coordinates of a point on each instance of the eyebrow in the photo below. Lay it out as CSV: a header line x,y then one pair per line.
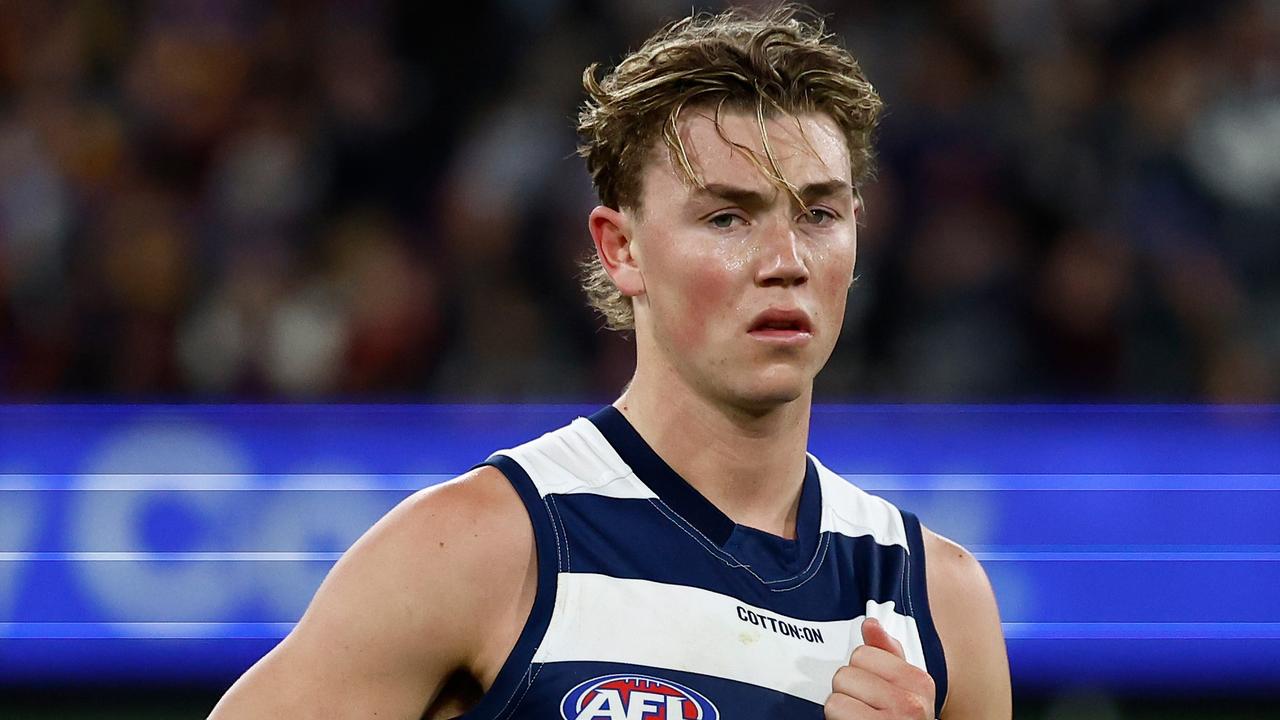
x,y
754,198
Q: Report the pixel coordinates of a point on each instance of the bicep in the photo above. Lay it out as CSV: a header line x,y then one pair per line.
x,y
388,625
351,655
968,623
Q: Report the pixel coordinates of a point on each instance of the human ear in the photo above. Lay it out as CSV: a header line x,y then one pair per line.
x,y
616,249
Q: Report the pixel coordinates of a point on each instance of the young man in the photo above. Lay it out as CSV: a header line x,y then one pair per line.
x,y
678,554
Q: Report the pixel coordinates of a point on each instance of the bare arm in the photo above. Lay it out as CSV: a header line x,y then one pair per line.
x,y
411,603
968,622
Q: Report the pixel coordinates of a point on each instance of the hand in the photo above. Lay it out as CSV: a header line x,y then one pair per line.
x,y
879,683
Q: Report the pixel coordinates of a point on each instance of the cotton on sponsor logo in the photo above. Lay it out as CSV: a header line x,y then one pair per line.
x,y
635,697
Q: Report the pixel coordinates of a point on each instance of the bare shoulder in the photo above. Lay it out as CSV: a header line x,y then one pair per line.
x,y
968,623
413,602
465,544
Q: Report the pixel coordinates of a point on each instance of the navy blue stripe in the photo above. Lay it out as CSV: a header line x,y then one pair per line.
x,y
516,673
634,539
654,472
734,700
934,659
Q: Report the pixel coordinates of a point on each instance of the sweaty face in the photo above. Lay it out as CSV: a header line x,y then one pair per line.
x,y
744,287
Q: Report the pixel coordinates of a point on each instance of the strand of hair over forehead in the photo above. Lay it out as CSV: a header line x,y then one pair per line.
x,y
778,28
767,34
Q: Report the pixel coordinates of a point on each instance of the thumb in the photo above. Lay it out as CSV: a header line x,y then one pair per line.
x,y
874,634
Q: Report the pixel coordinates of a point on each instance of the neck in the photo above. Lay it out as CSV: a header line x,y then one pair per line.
x,y
748,463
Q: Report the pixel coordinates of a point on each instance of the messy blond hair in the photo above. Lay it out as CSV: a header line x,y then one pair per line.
x,y
770,64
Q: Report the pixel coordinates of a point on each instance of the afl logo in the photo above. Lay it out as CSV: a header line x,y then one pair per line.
x,y
635,697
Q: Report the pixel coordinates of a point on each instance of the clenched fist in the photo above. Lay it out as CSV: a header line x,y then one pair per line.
x,y
879,683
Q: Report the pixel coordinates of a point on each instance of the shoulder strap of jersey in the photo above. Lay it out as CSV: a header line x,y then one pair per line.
x,y
518,672
918,590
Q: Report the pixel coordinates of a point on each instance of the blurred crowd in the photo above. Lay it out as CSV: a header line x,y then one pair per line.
x,y
234,199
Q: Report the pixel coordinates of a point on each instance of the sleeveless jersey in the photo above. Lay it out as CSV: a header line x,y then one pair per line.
x,y
653,605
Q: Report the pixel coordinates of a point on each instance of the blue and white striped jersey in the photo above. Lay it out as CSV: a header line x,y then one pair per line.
x,y
654,605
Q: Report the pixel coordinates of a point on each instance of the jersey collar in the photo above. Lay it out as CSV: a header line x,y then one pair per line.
x,y
683,498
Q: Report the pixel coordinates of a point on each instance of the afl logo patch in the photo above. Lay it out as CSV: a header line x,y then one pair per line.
x,y
635,697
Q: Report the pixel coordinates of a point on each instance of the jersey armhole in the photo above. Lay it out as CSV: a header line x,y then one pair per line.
x,y
518,671
934,659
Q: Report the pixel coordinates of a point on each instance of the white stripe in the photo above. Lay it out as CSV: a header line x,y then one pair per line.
x,y
598,618
577,459
850,511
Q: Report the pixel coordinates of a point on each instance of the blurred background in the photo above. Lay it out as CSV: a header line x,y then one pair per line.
x,y
222,201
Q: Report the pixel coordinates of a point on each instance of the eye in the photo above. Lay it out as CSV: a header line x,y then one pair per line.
x,y
818,216
724,221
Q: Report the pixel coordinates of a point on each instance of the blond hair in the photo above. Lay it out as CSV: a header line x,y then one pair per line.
x,y
771,64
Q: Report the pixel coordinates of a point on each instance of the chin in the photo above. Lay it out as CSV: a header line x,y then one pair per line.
x,y
768,393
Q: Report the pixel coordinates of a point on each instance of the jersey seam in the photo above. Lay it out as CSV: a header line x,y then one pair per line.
x,y
906,584
517,699
870,532
711,549
684,525
555,528
825,544
568,557
514,701
824,539
583,486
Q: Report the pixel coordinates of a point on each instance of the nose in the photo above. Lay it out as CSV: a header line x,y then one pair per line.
x,y
781,263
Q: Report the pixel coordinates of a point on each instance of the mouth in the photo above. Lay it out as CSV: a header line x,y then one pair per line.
x,y
788,327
